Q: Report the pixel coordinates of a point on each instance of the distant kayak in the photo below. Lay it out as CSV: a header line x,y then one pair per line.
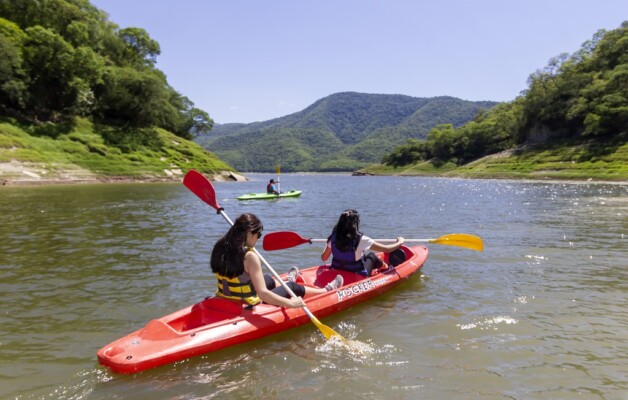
x,y
269,196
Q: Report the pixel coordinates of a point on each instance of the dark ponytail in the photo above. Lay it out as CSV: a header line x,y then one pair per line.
x,y
347,230
228,254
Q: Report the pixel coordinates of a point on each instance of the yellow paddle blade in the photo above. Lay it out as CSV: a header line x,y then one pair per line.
x,y
327,331
460,240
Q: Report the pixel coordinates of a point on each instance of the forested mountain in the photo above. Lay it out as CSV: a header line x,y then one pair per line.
x,y
341,132
62,59
579,100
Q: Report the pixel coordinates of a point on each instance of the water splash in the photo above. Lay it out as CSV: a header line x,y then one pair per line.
x,y
351,348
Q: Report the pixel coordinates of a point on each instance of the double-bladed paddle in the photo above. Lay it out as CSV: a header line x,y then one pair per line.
x,y
286,239
203,189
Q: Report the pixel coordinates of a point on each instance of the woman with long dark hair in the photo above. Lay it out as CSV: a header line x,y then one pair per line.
x,y
239,271
351,249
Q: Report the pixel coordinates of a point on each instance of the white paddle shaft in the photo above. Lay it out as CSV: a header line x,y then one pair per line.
x,y
382,240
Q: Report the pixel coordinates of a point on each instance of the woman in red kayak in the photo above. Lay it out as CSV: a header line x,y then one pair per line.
x,y
239,271
350,248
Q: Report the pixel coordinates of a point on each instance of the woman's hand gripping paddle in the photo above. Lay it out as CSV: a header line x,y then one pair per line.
x,y
203,189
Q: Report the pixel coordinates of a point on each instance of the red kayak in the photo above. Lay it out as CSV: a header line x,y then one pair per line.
x,y
216,323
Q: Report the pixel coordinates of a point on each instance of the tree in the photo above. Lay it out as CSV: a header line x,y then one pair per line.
x,y
13,81
140,49
410,152
199,122
441,142
48,60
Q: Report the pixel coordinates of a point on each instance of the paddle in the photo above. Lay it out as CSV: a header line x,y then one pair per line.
x,y
202,188
286,239
278,170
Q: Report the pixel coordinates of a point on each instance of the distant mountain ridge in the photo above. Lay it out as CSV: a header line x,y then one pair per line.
x,y
341,132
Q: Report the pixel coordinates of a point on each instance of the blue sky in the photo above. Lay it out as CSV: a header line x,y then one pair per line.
x,y
254,60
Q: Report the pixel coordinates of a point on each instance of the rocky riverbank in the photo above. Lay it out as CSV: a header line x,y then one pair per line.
x,y
25,173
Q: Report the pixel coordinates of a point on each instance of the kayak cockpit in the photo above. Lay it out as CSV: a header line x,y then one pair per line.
x,y
209,311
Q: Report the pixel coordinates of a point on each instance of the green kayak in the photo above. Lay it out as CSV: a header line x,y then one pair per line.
x,y
269,196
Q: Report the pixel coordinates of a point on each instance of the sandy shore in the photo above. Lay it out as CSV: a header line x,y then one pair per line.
x,y
18,173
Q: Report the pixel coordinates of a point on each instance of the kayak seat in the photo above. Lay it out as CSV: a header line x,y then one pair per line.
x,y
326,275
158,330
396,257
211,310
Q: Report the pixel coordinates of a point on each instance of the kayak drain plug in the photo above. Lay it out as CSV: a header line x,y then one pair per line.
x,y
129,357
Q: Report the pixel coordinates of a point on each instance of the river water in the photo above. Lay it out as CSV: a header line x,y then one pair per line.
x,y
540,314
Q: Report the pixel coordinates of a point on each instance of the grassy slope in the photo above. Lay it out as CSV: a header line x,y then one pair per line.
x,y
574,160
83,153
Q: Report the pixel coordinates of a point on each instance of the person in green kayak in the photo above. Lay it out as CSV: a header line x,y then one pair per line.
x,y
239,272
351,249
270,188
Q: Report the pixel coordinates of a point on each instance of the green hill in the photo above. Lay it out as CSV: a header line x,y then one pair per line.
x,y
341,132
571,123
81,99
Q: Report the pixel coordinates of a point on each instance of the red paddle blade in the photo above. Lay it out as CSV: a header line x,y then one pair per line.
x,y
282,240
200,186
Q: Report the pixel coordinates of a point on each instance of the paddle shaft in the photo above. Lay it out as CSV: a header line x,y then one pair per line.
x,y
272,270
278,170
382,240
454,239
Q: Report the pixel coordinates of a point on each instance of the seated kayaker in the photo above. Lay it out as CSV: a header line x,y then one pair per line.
x,y
239,272
351,249
270,188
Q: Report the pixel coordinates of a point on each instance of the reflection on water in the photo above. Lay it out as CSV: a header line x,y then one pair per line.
x,y
539,314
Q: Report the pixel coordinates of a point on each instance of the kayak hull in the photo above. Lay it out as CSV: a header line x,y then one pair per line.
x,y
269,196
216,323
